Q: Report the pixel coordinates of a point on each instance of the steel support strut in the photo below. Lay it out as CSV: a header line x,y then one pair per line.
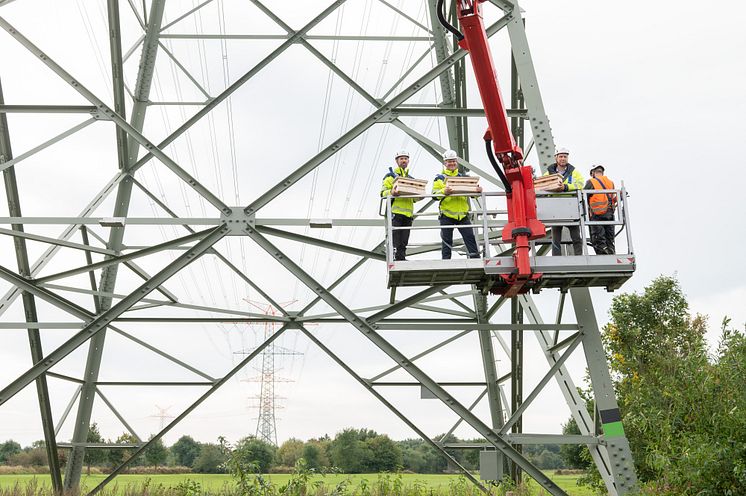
x,y
540,128
620,455
516,377
489,363
447,84
29,304
490,371
127,154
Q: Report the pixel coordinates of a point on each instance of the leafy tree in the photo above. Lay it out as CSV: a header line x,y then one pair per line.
x,y
349,451
185,451
315,454
385,455
210,460
682,410
548,460
156,454
574,455
470,457
290,452
115,456
8,449
251,450
118,455
94,456
413,459
34,455
417,456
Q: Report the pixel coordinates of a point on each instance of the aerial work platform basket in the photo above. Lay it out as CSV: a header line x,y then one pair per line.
x,y
424,267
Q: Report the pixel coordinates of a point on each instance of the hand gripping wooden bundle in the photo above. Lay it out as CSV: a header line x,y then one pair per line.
x,y
552,182
462,184
409,186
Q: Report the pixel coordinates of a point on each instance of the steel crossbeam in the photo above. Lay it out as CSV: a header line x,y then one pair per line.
x,y
115,260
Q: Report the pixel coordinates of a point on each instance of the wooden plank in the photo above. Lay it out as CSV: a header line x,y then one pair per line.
x,y
552,182
468,184
409,186
466,181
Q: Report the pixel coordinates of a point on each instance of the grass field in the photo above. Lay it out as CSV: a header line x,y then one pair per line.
x,y
213,482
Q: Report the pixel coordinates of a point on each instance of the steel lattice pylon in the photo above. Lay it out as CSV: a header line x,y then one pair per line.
x,y
124,291
266,425
266,428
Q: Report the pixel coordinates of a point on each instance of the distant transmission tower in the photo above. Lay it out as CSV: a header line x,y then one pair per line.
x,y
163,415
266,427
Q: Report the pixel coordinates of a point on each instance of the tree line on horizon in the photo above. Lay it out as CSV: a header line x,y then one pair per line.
x,y
349,451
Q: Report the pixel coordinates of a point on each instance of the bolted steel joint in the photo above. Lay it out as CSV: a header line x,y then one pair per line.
x,y
236,221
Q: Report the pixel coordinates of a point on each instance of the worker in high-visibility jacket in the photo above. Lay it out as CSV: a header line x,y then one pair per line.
x,y
402,209
454,210
602,207
572,180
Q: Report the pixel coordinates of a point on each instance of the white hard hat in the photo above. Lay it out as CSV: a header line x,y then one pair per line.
x,y
450,155
562,150
401,153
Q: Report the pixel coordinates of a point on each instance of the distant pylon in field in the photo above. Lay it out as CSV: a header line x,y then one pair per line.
x,y
266,427
163,415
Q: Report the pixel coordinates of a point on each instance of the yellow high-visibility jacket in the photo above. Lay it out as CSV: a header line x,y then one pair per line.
x,y
455,207
402,206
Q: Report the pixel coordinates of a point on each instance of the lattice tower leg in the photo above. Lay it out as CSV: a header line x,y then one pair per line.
x,y
29,304
622,467
109,275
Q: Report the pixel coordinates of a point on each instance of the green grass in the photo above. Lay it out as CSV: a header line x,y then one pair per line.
x,y
214,482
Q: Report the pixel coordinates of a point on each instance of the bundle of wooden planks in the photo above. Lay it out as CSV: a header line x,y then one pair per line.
x,y
409,186
462,184
552,182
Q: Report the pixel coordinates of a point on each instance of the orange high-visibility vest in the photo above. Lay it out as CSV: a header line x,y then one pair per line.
x,y
600,203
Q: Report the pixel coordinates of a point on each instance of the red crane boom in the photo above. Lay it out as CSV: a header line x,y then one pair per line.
x,y
522,225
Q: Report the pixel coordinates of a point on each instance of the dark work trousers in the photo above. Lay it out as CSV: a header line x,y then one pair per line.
x,y
577,241
400,236
467,234
602,237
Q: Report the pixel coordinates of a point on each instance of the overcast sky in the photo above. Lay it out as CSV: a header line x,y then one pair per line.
x,y
652,90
